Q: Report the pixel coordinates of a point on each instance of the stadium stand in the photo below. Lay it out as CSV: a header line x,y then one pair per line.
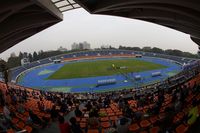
x,y
172,105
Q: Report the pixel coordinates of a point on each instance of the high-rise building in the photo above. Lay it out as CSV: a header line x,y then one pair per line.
x,y
75,46
62,49
86,45
80,46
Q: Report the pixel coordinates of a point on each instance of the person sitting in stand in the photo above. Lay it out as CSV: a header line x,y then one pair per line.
x,y
63,125
7,113
123,124
75,127
35,119
54,113
77,112
20,108
93,121
88,106
193,113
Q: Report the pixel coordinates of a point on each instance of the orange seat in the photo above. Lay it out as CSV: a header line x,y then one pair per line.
x,y
105,124
111,114
145,123
143,132
20,125
104,119
161,116
134,127
113,118
153,119
26,113
78,119
119,113
180,115
83,125
93,131
15,120
10,131
154,130
176,119
28,129
182,128
83,120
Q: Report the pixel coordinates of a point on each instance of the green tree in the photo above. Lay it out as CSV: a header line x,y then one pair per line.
x,y
157,50
136,48
20,55
4,70
13,62
146,49
35,56
30,57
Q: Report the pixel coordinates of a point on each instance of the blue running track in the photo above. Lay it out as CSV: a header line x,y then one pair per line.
x,y
36,78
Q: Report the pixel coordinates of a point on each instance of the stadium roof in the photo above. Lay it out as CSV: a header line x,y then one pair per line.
x,y
65,5
20,19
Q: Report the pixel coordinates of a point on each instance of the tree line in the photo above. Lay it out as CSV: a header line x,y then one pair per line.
x,y
16,61
173,52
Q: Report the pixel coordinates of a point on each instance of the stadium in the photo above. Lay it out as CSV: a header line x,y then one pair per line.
x,y
99,91
137,72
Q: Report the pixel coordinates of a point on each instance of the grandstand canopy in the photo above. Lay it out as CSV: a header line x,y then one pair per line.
x,y
20,19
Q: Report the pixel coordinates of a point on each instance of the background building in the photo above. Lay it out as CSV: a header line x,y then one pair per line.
x,y
25,61
105,46
13,54
75,46
81,46
62,49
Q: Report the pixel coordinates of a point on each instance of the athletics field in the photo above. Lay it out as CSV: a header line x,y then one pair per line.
x,y
83,75
103,68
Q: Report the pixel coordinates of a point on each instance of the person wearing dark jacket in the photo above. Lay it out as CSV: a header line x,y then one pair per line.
x,y
77,112
63,126
54,113
75,127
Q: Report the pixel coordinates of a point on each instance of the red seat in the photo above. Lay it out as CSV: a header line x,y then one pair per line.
x,y
154,130
113,118
134,127
182,128
119,113
20,125
83,120
93,131
104,119
143,132
78,119
15,120
111,114
153,119
105,124
145,123
28,129
83,125
10,131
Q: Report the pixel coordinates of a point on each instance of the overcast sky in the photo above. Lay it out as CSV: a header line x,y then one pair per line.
x,y
79,26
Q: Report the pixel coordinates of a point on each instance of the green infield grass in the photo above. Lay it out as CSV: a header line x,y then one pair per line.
x,y
103,68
